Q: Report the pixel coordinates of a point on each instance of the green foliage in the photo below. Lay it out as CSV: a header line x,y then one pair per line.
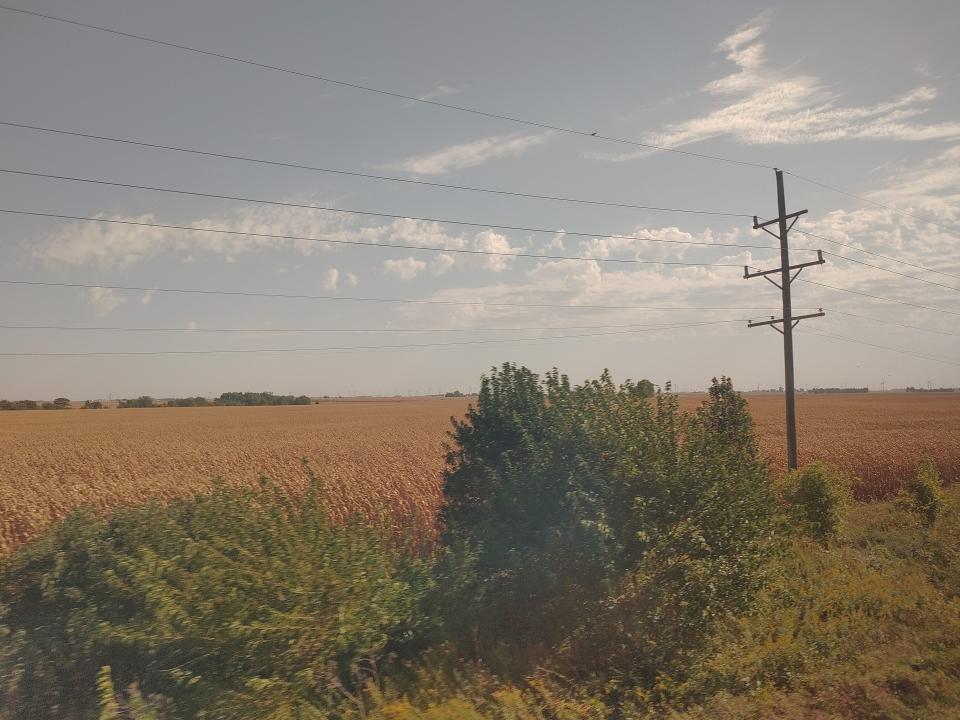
x,y
925,489
92,405
144,401
238,605
261,398
817,496
867,628
607,527
18,405
197,401
61,403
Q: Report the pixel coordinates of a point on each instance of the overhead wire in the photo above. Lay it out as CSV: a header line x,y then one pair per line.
x,y
383,92
879,297
893,272
349,298
913,353
371,176
344,348
361,243
893,322
394,216
807,233
864,199
298,331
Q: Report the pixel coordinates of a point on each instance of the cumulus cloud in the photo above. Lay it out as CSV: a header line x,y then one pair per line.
x,y
762,104
118,245
406,269
490,241
471,154
103,300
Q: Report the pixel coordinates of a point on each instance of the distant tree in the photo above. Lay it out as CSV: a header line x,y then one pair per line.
x,y
92,405
62,403
144,401
455,393
49,406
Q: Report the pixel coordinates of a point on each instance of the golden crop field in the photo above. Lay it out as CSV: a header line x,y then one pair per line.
x,y
383,455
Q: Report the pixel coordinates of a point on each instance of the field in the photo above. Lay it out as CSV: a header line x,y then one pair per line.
x,y
383,456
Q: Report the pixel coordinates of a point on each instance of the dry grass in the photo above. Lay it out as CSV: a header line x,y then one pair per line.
x,y
383,456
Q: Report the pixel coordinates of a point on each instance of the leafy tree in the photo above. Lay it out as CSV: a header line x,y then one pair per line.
x,y
62,403
570,497
92,405
144,401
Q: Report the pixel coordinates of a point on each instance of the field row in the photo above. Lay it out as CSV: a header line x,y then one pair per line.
x,y
377,457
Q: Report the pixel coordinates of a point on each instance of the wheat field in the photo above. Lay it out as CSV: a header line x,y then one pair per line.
x,y
383,456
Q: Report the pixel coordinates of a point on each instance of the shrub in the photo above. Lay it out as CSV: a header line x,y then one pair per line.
x,y
233,605
604,523
817,496
926,496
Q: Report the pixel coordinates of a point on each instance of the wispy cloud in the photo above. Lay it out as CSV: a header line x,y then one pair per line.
x,y
441,91
763,105
330,279
471,154
103,300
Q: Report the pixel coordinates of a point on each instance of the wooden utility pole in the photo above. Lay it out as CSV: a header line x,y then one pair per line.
x,y
788,321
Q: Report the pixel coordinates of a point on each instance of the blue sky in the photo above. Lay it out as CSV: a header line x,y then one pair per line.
x,y
864,98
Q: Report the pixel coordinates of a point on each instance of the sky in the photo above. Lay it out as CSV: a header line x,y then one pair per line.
x,y
859,96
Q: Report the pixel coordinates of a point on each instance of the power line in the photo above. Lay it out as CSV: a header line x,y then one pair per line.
x,y
482,190
891,322
360,243
388,93
370,176
861,198
879,297
893,272
297,331
925,356
341,348
875,254
345,298
394,216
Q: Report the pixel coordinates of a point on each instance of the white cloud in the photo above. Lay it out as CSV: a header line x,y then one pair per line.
x,y
352,279
406,269
764,105
330,278
471,154
441,263
103,300
490,241
112,246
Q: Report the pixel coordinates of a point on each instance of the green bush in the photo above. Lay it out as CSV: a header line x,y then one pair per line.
x,y
925,489
237,605
817,496
606,527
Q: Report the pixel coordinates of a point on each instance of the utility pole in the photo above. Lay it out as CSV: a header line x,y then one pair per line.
x,y
789,320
